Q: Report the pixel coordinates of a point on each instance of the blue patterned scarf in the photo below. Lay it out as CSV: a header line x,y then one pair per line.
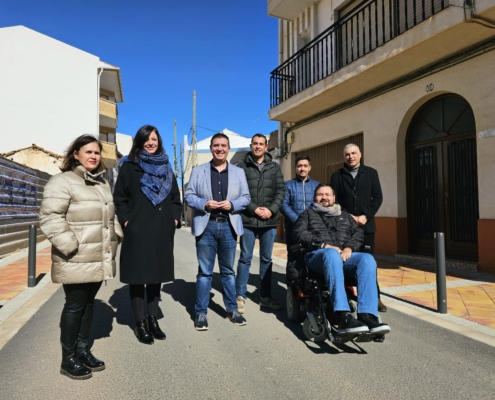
x,y
156,182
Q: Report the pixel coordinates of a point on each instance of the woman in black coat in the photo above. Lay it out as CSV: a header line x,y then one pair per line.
x,y
148,206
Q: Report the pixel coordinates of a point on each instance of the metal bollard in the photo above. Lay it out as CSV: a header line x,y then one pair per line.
x,y
32,256
441,272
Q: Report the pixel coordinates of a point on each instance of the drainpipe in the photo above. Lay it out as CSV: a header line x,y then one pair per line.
x,y
280,60
98,105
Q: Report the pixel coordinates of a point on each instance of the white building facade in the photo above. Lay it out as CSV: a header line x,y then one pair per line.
x,y
52,92
413,84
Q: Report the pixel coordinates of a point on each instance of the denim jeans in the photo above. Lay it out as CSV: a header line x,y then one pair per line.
x,y
267,238
361,266
219,239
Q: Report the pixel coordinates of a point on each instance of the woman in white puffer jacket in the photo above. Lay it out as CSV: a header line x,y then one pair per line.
x,y
77,216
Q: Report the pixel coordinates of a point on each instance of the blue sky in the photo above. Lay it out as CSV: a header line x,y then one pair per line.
x,y
223,49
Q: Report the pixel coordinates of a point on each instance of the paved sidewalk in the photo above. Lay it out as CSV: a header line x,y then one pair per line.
x,y
14,276
470,295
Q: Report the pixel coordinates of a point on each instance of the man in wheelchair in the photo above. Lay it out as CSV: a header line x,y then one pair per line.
x,y
332,240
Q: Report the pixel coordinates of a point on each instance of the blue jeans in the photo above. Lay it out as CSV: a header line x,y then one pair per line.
x,y
217,239
361,266
267,238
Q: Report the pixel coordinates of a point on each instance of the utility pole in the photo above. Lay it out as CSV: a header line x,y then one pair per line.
x,y
182,183
176,170
194,148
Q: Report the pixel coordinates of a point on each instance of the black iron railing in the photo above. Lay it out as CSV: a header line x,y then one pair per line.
x,y
366,27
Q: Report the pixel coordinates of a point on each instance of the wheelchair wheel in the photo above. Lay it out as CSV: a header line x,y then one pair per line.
x,y
310,334
294,312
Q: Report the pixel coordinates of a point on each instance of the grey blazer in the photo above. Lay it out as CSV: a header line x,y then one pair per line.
x,y
198,192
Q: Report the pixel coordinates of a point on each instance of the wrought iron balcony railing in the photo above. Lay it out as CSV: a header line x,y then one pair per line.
x,y
369,25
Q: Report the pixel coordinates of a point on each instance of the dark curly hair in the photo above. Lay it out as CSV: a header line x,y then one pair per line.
x,y
70,162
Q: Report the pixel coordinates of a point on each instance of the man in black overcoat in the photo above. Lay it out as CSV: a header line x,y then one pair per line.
x,y
358,191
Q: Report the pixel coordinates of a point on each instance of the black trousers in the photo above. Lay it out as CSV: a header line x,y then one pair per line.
x,y
289,242
369,240
77,314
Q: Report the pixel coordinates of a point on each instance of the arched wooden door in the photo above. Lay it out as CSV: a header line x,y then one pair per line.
x,y
442,179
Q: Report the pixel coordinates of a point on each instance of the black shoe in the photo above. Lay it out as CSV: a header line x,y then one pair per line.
x,y
236,318
270,302
73,368
381,307
155,329
201,323
90,361
142,333
373,324
349,324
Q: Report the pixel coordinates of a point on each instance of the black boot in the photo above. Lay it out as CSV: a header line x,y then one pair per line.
x,y
85,327
72,367
70,322
142,332
90,361
155,329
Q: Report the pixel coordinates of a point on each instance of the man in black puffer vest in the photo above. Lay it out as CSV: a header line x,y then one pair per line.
x,y
260,219
333,240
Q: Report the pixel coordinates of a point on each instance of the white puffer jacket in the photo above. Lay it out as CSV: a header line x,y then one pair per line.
x,y
77,215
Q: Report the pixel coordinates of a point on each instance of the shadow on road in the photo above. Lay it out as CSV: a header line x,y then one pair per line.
x,y
102,321
182,292
121,302
185,293
279,293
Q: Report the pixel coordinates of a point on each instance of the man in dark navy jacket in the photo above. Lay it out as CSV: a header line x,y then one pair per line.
x,y
358,191
299,194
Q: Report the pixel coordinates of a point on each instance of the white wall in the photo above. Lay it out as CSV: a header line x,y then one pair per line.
x,y
124,143
48,92
384,122
325,14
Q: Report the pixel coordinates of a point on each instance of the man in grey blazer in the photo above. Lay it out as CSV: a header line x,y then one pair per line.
x,y
218,193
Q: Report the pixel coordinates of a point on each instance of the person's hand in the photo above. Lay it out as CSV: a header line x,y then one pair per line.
x,y
346,254
211,205
224,205
264,213
176,223
361,220
329,246
355,218
125,224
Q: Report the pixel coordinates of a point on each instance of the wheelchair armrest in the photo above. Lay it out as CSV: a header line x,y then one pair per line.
x,y
296,248
367,249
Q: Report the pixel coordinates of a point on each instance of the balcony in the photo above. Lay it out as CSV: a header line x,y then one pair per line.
x,y
108,109
109,154
287,9
108,113
378,42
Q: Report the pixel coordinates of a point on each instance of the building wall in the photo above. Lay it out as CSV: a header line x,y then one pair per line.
x,y
37,159
384,121
48,91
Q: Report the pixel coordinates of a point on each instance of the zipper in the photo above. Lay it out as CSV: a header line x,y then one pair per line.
x,y
304,196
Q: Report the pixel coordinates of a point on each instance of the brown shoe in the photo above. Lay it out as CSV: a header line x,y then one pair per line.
x,y
241,304
381,307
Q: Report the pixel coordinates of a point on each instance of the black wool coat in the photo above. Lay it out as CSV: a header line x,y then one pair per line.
x,y
147,254
359,196
266,188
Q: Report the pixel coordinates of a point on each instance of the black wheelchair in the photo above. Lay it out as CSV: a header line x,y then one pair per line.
x,y
308,299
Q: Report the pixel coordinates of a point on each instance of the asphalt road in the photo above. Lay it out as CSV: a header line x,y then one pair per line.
x,y
266,359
